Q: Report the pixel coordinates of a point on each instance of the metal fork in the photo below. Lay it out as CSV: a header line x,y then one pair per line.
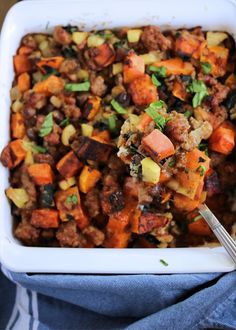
x,y
224,238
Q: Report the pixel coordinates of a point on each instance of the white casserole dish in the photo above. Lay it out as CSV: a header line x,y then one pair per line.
x,y
40,16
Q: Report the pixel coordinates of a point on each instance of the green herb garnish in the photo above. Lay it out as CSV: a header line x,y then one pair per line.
x,y
39,149
155,81
118,107
104,35
206,67
81,87
198,88
163,262
152,112
47,126
64,122
187,114
159,70
201,169
72,199
171,162
203,147
112,123
198,217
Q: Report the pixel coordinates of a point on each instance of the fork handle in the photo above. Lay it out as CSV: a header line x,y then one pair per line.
x,y
223,236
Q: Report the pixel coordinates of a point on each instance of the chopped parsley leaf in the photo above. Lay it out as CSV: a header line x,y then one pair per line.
x,y
152,112
81,87
163,262
187,114
201,169
72,199
64,122
198,88
118,107
39,149
206,67
159,70
47,126
198,217
155,81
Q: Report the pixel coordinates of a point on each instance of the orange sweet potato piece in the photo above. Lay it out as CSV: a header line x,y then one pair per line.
x,y
217,56
196,157
158,145
133,67
189,44
88,178
142,90
23,82
69,205
176,66
105,55
145,120
17,126
144,222
184,204
231,81
45,218
117,232
199,227
52,62
51,85
69,165
23,50
21,63
222,139
102,135
13,154
92,107
179,91
41,173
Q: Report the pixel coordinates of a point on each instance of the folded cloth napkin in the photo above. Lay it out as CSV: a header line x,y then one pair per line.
x,y
133,302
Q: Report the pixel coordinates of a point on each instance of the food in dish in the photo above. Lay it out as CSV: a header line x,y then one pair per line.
x,y
118,135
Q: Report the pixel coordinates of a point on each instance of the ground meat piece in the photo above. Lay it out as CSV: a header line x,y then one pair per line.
x,y
54,138
144,196
61,36
115,164
29,41
153,39
197,135
177,128
98,86
218,92
95,235
35,100
112,198
39,122
44,158
28,113
68,66
25,232
69,236
220,115
72,112
47,234
212,184
92,203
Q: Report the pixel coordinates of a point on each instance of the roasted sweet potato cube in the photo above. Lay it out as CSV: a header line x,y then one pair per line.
x,y
89,149
189,44
117,229
45,218
88,179
105,55
17,126
41,174
69,165
144,222
13,154
133,67
22,64
91,107
199,228
217,56
69,206
185,204
143,91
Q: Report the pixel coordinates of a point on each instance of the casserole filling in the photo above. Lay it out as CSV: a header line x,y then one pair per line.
x,y
118,135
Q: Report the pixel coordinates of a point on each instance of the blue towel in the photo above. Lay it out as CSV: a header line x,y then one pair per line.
x,y
133,302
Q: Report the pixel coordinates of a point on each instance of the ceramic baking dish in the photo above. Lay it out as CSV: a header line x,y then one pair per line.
x,y
41,16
